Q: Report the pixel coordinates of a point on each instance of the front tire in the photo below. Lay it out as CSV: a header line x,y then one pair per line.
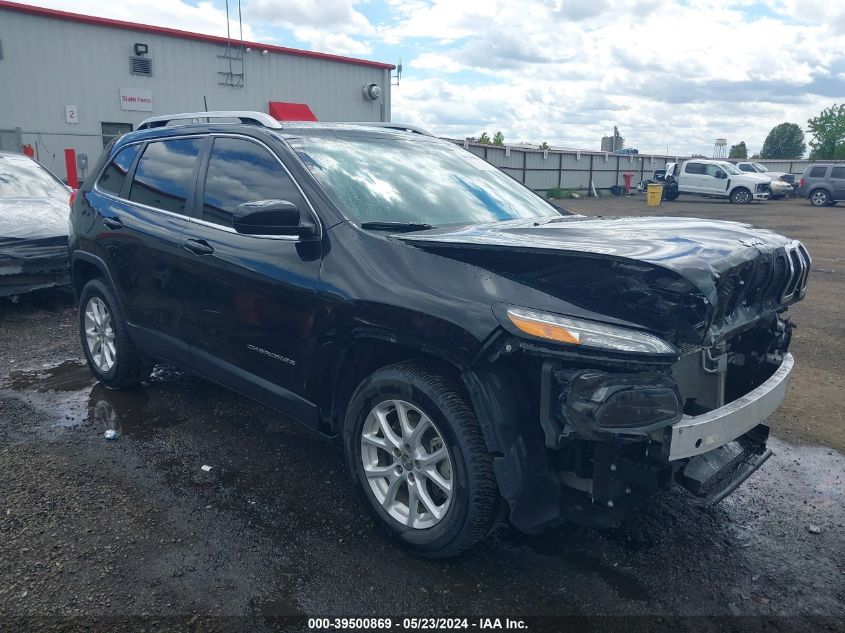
x,y
104,335
416,453
741,195
819,198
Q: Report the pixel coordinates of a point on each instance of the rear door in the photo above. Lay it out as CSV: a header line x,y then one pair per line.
x,y
141,204
837,182
250,300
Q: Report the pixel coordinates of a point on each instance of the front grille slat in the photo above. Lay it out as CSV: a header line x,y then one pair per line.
x,y
774,277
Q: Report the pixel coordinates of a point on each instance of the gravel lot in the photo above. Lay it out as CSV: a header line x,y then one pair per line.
x,y
98,534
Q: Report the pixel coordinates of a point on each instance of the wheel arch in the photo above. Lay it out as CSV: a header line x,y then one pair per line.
x,y
364,354
732,193
84,267
821,186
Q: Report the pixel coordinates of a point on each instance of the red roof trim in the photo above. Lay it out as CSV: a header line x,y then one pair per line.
x,y
188,35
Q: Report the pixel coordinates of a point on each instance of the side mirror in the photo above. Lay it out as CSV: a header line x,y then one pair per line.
x,y
721,174
268,217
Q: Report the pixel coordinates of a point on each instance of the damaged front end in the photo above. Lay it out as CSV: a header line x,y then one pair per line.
x,y
613,432
615,437
32,264
615,428
33,245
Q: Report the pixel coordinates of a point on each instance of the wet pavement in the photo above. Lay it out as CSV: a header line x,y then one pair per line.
x,y
274,527
94,531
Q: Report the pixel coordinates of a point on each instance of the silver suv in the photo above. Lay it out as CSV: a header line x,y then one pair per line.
x,y
823,185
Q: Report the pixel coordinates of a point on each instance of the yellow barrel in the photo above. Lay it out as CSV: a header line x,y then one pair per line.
x,y
654,195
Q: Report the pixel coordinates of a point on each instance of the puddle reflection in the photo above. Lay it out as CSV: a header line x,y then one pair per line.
x,y
71,393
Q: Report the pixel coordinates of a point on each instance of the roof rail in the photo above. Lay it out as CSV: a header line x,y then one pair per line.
x,y
244,116
397,126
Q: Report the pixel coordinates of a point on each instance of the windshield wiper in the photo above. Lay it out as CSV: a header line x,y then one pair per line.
x,y
402,227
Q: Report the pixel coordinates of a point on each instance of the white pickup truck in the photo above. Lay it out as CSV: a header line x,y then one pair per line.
x,y
715,178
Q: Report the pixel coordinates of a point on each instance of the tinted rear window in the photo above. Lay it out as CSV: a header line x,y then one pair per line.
x,y
838,172
115,174
817,172
165,174
694,168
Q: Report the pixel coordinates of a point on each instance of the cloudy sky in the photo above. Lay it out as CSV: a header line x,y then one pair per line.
x,y
671,74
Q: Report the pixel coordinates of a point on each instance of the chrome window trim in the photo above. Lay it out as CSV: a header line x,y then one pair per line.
x,y
108,194
283,238
201,222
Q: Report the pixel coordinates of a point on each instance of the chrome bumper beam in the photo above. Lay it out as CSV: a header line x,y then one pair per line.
x,y
694,435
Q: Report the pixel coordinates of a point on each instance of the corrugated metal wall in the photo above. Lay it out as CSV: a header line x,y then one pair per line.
x,y
569,169
573,169
49,63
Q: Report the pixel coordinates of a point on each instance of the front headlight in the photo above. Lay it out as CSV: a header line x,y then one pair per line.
x,y
586,333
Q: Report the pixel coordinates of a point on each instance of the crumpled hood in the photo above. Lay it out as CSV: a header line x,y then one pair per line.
x,y
700,250
33,218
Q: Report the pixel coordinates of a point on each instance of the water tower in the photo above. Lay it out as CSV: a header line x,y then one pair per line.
x,y
719,148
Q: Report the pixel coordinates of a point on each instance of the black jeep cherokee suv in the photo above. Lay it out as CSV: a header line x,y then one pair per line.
x,y
480,351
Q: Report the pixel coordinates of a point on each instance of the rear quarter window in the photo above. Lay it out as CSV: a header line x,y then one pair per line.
x,y
817,172
115,174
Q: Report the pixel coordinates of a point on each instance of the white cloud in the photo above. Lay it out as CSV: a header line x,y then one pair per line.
x,y
332,26
667,74
328,42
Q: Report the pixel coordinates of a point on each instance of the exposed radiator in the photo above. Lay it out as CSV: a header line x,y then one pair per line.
x,y
705,388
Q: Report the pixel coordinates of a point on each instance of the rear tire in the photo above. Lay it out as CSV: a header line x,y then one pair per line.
x,y
741,195
104,335
819,198
405,423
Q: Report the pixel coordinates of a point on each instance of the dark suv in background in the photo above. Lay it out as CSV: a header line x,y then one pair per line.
x,y
823,185
480,351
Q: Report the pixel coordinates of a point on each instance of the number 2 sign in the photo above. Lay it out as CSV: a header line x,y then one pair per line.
x,y
71,114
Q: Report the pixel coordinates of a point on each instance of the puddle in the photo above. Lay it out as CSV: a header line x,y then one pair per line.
x,y
70,394
69,375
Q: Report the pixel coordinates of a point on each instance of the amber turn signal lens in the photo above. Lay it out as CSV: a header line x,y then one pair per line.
x,y
544,330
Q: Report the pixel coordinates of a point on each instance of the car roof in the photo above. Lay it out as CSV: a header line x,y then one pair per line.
x,y
285,130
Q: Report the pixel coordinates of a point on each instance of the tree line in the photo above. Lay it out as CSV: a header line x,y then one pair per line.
x,y
786,140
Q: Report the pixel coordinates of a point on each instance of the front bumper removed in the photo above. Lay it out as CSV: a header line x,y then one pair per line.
x,y
614,438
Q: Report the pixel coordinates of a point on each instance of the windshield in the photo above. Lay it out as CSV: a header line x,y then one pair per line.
x,y
408,178
731,169
761,168
22,177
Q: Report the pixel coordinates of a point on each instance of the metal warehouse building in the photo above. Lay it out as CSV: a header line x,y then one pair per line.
x,y
70,81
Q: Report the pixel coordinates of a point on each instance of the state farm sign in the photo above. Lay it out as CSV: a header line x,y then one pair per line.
x,y
136,99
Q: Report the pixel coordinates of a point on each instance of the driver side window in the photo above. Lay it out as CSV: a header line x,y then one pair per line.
x,y
714,170
242,171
